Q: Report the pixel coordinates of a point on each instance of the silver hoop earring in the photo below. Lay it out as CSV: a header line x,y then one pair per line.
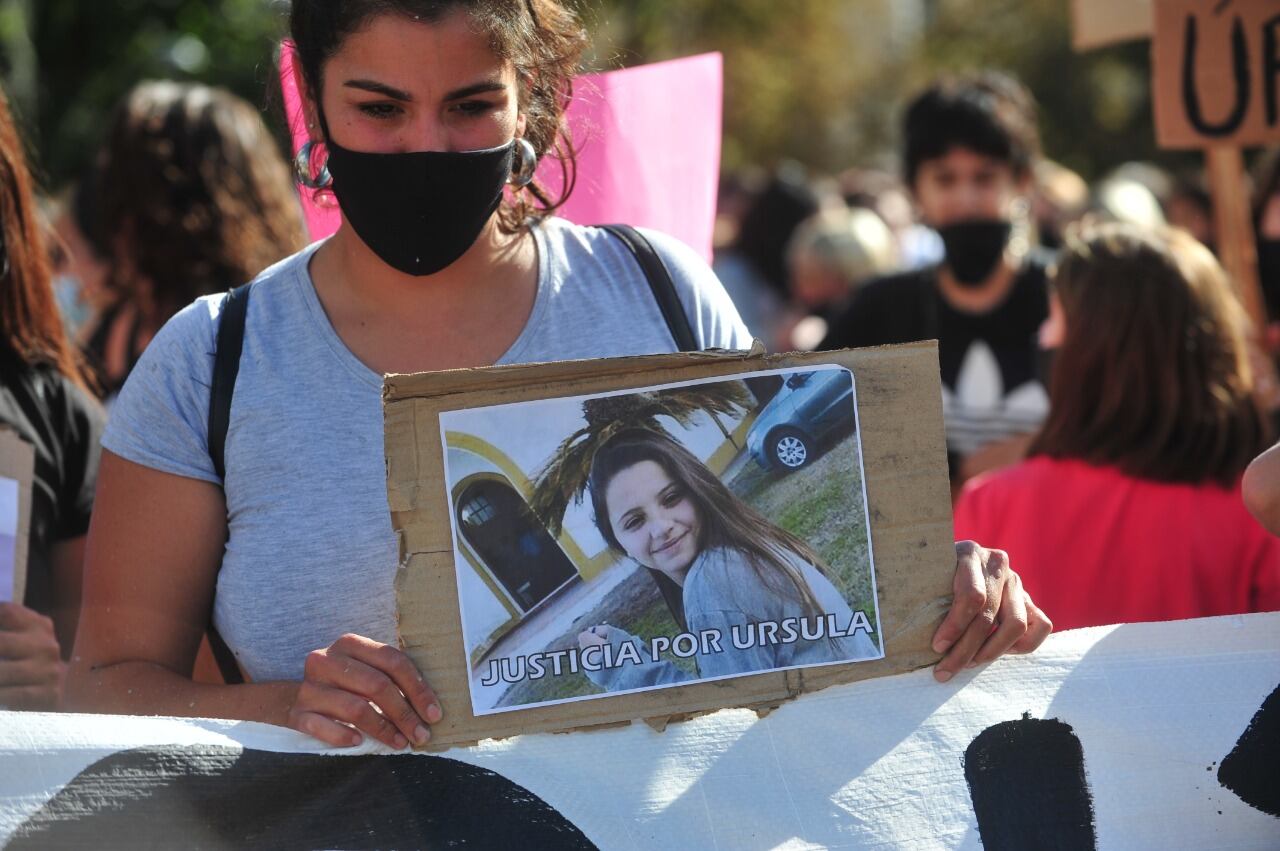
x,y
526,163
302,170
1020,239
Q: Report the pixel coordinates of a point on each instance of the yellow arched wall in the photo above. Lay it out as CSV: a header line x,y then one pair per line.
x,y
588,568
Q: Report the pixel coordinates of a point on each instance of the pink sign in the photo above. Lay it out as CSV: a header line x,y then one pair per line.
x,y
648,141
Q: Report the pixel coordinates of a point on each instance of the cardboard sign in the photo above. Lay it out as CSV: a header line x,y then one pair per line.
x,y
1216,72
632,167
17,471
660,536
1099,23
907,498
1144,736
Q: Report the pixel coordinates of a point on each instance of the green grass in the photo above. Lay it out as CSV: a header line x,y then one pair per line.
x,y
822,505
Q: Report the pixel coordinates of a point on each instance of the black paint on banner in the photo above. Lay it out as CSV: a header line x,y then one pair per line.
x,y
1028,787
1252,769
220,797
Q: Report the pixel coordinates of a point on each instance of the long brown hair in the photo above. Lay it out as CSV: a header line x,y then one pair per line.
x,y
195,195
1153,376
29,318
543,39
727,521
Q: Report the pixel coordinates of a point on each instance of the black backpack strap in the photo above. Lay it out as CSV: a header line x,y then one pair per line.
x,y
226,366
664,290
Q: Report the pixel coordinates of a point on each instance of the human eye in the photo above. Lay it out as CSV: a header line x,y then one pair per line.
x,y
632,522
673,496
381,110
472,108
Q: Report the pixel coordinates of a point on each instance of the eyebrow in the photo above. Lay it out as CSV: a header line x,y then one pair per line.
x,y
378,88
476,89
397,94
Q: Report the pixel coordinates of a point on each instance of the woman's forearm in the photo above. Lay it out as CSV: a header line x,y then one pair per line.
x,y
145,688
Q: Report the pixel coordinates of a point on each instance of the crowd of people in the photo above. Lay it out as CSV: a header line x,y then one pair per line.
x,y
1103,389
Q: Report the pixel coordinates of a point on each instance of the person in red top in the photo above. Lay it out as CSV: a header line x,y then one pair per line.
x,y
1133,483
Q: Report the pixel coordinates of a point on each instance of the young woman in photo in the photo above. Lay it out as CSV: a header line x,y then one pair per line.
x,y
422,112
720,564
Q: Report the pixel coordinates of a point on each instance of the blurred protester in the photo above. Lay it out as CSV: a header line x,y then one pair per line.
x,y
81,265
1133,484
195,199
970,149
43,398
734,197
754,268
1061,200
1266,222
829,257
1190,207
1149,176
1120,199
884,194
1262,489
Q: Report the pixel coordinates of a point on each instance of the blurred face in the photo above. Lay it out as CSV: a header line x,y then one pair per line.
x,y
78,261
400,86
654,519
963,185
813,284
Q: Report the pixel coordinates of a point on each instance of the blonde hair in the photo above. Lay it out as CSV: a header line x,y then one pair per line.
x,y
856,245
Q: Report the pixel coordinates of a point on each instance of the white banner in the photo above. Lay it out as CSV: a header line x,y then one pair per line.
x,y
1142,736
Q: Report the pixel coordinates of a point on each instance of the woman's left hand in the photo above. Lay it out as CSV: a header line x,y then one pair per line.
x,y
991,614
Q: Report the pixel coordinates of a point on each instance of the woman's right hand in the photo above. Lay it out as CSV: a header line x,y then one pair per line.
x,y
360,686
31,666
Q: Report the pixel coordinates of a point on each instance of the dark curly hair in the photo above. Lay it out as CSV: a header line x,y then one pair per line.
x,y
195,196
542,38
987,112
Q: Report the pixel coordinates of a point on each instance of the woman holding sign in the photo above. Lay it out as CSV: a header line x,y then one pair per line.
x,y
427,118
44,400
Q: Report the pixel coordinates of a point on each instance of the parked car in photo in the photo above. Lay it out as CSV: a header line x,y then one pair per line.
x,y
790,428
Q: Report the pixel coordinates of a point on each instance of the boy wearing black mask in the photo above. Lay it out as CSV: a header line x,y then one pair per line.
x,y
970,147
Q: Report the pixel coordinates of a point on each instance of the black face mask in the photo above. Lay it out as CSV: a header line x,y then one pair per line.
x,y
974,248
419,212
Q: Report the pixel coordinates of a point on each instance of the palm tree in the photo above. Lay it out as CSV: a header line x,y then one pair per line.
x,y
563,479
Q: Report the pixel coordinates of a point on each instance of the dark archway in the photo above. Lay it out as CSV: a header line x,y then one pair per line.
x,y
499,526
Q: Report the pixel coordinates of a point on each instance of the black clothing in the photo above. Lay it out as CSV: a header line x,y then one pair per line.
x,y
991,385
65,426
95,349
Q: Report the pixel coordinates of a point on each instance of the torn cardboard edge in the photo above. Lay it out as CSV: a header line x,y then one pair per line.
x,y
908,500
18,462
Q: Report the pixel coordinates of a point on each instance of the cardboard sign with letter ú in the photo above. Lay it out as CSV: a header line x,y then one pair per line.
x,y
1216,68
595,542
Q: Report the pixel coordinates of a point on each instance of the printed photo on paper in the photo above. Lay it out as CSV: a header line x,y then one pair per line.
x,y
643,539
8,536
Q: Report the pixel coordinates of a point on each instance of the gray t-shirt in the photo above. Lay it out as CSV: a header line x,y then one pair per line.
x,y
311,553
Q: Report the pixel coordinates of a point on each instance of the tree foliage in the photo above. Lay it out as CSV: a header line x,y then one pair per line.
x,y
819,81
